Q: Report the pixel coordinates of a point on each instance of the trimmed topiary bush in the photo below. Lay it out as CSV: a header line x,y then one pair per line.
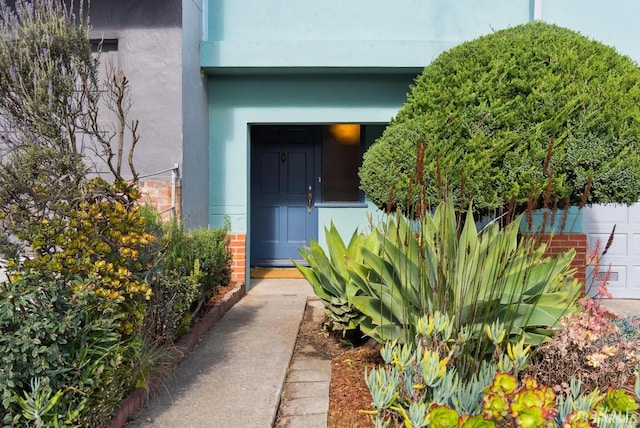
x,y
526,115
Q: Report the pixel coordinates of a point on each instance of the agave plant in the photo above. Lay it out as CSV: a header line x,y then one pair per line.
x,y
427,265
330,278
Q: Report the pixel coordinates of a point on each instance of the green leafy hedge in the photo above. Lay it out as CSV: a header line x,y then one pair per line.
x,y
80,326
60,339
188,268
503,115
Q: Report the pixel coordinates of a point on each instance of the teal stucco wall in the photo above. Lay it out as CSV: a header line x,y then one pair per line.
x,y
319,63
613,22
337,33
346,62
239,101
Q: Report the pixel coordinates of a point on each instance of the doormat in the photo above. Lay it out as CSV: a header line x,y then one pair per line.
x,y
260,272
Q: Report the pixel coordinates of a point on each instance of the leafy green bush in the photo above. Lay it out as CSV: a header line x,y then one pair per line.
x,y
506,114
168,313
207,247
100,234
189,266
211,250
61,336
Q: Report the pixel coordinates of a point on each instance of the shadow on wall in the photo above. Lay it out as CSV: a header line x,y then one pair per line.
x,y
114,15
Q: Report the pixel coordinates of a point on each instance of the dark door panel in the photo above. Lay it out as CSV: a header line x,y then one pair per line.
x,y
282,179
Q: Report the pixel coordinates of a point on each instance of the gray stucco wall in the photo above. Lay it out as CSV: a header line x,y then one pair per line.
x,y
159,50
150,53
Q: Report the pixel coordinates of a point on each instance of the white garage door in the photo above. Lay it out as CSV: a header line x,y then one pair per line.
x,y
624,253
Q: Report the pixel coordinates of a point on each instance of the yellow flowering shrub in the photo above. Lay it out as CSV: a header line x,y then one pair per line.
x,y
100,236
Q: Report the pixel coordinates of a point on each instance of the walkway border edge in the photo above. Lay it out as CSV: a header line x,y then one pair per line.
x,y
136,401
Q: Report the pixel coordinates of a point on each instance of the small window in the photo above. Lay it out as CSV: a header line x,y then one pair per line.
x,y
341,157
342,148
108,51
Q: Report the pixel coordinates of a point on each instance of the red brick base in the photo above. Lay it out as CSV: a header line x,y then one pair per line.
x,y
238,247
158,193
561,242
557,244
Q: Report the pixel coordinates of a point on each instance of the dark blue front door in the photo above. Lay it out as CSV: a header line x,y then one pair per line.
x,y
283,190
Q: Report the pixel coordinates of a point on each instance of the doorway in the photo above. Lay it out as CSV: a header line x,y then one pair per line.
x,y
283,192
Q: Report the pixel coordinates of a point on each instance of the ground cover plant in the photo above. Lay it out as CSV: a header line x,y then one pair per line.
x,y
417,387
601,350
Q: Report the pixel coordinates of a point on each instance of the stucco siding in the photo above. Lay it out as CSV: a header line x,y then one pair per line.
x,y
195,149
149,51
335,33
238,101
614,22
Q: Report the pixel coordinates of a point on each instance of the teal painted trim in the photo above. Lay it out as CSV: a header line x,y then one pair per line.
x,y
293,71
531,9
572,219
204,17
330,53
341,205
365,21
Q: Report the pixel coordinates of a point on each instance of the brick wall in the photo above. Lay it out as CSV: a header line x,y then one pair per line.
x,y
238,247
561,242
159,194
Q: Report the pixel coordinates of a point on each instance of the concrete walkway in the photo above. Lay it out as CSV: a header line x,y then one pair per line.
x,y
234,378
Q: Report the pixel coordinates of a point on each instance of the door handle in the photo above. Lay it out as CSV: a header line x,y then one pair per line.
x,y
309,199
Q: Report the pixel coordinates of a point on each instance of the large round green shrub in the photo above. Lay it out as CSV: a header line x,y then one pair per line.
x,y
506,114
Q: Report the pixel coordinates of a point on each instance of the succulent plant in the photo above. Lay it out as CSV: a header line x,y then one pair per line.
x,y
619,400
479,279
417,386
442,417
330,279
384,386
